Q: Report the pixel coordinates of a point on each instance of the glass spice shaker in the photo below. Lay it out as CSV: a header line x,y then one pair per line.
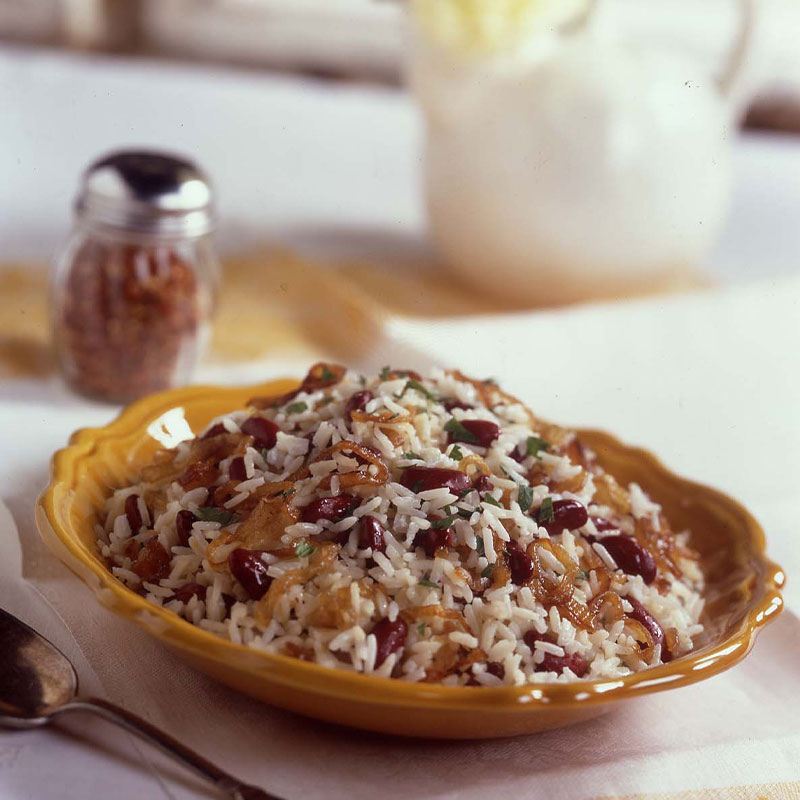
x,y
133,291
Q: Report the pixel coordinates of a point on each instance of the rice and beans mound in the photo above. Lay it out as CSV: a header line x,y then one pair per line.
x,y
422,529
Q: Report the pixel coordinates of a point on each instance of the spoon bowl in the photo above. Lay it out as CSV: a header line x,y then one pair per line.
x,y
36,678
39,683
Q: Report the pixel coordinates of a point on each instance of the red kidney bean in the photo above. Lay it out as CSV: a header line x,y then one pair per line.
x,y
420,479
237,470
551,663
519,562
452,403
482,484
567,515
603,524
329,508
370,534
358,402
391,636
215,430
519,453
229,600
251,572
531,637
496,668
183,525
263,430
432,539
642,615
189,590
483,432
630,556
132,513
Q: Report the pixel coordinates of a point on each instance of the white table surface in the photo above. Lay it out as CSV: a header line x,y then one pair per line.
x,y
338,164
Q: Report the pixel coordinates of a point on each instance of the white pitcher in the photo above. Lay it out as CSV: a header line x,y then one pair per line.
x,y
582,168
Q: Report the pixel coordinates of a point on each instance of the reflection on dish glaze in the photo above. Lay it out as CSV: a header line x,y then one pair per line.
x,y
663,679
607,686
171,428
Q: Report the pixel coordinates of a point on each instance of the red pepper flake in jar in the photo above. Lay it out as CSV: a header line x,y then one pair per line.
x,y
133,292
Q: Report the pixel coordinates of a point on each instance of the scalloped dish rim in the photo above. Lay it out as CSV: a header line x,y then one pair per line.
x,y
54,507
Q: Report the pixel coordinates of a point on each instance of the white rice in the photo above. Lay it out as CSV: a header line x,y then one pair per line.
x,y
488,646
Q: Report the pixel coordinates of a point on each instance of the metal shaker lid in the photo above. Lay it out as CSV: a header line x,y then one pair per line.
x,y
147,192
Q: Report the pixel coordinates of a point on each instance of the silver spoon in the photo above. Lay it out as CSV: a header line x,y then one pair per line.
x,y
38,683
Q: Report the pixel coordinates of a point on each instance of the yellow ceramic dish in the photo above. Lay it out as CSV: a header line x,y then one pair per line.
x,y
742,592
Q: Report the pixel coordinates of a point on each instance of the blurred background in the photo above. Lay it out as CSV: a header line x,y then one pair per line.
x,y
412,160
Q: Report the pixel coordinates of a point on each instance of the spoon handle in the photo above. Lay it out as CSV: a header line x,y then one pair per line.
x,y
163,741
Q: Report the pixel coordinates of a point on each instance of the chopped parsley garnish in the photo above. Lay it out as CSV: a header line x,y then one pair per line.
x,y
421,629
417,486
534,445
459,432
479,548
411,455
546,510
455,453
487,498
426,581
487,572
264,453
326,374
525,498
443,523
464,513
385,373
417,386
212,514
303,550
285,492
582,575
297,408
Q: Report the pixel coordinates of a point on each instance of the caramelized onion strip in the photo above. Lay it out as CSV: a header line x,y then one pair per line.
x,y
448,615
321,560
642,635
607,605
380,418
